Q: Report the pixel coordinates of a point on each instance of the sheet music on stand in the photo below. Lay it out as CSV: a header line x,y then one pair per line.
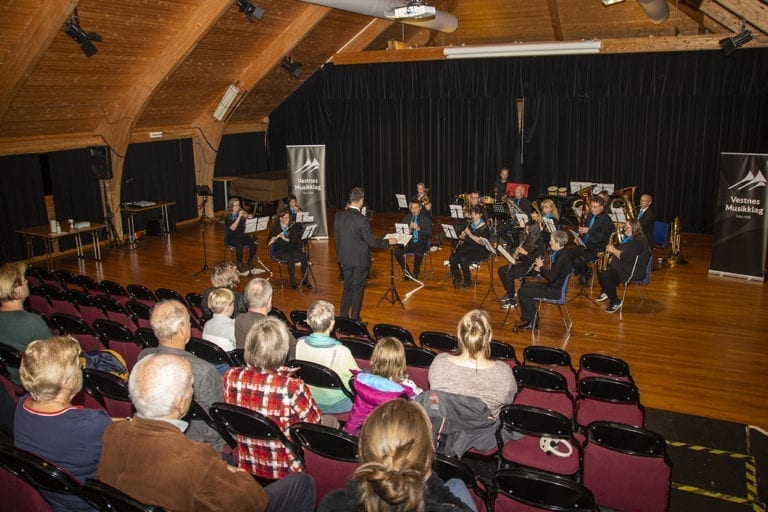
x,y
501,250
549,225
577,211
522,219
449,232
309,231
402,229
576,238
402,202
500,211
304,217
617,215
457,211
488,247
256,224
401,239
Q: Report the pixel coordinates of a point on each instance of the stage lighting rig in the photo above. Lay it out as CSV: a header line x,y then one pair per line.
x,y
252,12
72,29
294,68
730,44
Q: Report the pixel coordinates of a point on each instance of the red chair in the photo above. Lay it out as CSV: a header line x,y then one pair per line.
x,y
330,455
110,391
543,388
393,331
504,352
120,339
117,312
116,291
142,294
553,359
627,467
603,399
417,362
439,341
361,350
599,365
19,495
448,468
520,490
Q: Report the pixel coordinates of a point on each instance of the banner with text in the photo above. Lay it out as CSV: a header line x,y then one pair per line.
x,y
306,180
741,228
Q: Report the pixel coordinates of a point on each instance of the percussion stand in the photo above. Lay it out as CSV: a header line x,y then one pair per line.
x,y
391,293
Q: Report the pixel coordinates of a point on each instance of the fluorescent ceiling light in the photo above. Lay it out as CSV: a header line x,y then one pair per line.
x,y
611,2
523,49
226,102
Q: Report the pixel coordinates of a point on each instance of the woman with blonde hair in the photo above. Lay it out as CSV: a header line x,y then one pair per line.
x,y
395,471
47,424
385,380
471,371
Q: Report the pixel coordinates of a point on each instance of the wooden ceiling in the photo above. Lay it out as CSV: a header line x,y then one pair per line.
x,y
163,65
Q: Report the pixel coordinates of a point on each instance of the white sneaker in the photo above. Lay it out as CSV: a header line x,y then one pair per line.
x,y
602,297
245,272
446,263
256,271
473,266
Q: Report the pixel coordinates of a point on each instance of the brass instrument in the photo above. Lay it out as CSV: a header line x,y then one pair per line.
x,y
425,200
463,198
537,215
513,208
625,199
675,256
585,197
604,257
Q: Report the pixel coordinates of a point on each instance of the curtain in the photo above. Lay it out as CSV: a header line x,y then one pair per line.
x,y
22,204
238,154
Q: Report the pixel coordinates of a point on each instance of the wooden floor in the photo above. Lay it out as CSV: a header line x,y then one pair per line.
x,y
698,344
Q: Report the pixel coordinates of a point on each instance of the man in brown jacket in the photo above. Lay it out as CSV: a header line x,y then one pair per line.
x,y
149,458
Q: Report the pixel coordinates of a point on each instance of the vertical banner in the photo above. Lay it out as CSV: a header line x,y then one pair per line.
x,y
306,180
741,228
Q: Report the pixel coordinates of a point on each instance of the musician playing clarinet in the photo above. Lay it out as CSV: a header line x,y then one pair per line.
x,y
531,248
420,226
469,249
285,244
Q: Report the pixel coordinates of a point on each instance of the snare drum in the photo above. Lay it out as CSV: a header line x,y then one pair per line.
x,y
562,191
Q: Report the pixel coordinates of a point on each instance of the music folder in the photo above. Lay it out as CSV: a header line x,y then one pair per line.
x,y
309,231
617,215
501,250
577,238
402,202
487,245
256,224
457,211
522,219
402,229
449,231
399,238
549,225
304,217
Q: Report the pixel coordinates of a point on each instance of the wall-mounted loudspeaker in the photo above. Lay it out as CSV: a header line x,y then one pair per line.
x,y
99,163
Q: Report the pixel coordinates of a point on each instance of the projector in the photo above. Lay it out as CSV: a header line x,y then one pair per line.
x,y
412,11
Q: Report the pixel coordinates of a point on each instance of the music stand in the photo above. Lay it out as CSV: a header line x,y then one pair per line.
x,y
306,238
304,217
254,225
449,232
203,191
402,202
549,225
491,264
391,293
457,211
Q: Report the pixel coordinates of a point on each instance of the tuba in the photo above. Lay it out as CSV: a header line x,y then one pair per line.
x,y
675,256
585,197
625,199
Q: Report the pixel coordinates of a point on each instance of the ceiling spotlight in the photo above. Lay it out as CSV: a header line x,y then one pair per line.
x,y
729,44
294,68
252,12
72,29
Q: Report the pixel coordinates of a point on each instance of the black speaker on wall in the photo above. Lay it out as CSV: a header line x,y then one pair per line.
x,y
99,163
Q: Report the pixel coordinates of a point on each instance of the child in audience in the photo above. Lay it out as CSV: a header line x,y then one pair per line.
x,y
220,329
386,381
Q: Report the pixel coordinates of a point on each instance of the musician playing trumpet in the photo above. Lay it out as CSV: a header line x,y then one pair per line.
x,y
620,268
420,226
469,249
422,197
531,248
285,244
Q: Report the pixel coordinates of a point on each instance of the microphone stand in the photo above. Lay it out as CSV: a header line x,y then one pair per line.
x,y
391,293
202,230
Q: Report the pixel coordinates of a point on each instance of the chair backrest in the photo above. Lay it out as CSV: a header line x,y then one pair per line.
x,y
602,399
534,421
19,495
351,328
660,232
197,412
120,339
648,270
237,357
394,331
10,356
521,490
239,421
64,306
146,337
317,375
439,341
68,279
417,356
601,365
115,290
626,467
299,319
278,313
330,455
563,299
38,472
449,467
140,311
70,324
554,359
142,294
169,294
504,351
361,349
109,499
541,387
207,351
110,390
89,285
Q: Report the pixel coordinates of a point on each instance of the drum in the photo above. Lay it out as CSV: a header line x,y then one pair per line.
x,y
552,191
562,191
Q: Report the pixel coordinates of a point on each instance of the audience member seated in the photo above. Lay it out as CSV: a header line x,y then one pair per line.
x,y
220,329
17,327
224,275
386,380
149,458
395,471
46,422
471,371
319,347
266,386
258,297
170,323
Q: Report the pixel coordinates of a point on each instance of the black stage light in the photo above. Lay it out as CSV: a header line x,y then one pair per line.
x,y
252,12
730,44
72,29
294,68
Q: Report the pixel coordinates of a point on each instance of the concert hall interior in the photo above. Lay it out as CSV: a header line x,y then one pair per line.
x,y
151,117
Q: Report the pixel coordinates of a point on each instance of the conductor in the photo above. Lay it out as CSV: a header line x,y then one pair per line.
x,y
354,240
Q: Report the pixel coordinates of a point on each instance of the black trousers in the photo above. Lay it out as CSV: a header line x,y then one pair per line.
x,y
354,288
462,259
508,274
528,292
418,250
290,257
580,256
609,281
238,242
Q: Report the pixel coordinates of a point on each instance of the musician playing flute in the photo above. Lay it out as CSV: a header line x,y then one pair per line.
x,y
634,248
469,249
420,226
285,244
531,248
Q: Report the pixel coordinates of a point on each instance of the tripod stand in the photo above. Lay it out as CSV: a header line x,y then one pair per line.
x,y
391,293
202,230
114,238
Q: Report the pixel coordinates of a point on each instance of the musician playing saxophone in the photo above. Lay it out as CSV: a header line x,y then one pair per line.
x,y
533,247
423,198
595,234
633,247
552,285
469,249
421,232
284,241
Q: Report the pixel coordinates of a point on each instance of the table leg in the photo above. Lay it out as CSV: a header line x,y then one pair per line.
x,y
96,245
165,220
226,195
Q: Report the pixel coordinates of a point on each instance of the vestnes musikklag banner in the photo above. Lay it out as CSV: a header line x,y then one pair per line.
x,y
306,180
741,226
